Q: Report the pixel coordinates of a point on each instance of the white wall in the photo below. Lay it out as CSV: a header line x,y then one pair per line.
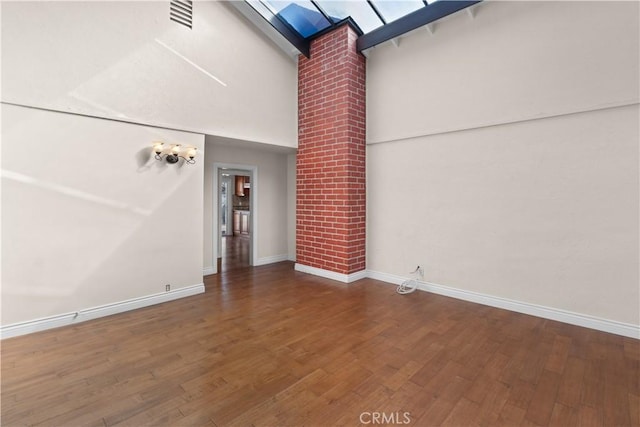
x,y
504,156
516,60
291,206
89,217
272,201
91,225
127,60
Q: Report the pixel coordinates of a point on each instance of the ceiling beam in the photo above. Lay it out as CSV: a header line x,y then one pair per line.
x,y
471,11
257,13
431,28
294,38
250,10
410,22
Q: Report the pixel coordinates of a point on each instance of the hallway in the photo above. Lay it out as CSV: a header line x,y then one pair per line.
x,y
235,253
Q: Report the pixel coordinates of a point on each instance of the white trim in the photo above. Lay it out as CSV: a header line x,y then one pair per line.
x,y
344,278
208,271
271,259
578,319
42,324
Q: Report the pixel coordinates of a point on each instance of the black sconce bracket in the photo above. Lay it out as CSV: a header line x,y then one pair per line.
x,y
172,157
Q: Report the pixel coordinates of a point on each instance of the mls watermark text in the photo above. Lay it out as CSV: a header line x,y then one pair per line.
x,y
385,418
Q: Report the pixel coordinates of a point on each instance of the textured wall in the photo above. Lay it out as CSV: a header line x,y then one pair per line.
x,y
503,155
127,60
84,226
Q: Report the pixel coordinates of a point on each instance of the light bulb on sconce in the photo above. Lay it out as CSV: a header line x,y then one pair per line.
x,y
174,153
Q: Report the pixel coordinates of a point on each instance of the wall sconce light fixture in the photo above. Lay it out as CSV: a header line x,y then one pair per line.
x,y
174,153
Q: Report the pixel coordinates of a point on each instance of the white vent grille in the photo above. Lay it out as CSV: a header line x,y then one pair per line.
x,y
181,11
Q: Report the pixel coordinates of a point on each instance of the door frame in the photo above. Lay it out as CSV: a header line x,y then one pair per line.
x,y
221,180
235,169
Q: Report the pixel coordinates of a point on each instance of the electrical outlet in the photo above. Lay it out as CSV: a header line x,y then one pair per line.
x,y
167,288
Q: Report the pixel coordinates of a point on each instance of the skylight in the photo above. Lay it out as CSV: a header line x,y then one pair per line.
x,y
376,21
303,16
360,12
392,10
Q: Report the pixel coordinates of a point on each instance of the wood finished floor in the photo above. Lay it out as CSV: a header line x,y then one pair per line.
x,y
274,347
235,253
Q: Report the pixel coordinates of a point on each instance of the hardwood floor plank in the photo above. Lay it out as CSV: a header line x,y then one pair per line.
x,y
543,400
165,413
401,376
510,415
463,414
455,389
634,409
492,405
569,391
271,346
590,417
436,413
563,416
430,370
535,361
344,381
593,385
559,353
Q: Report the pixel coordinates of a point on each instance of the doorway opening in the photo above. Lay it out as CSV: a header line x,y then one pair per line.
x,y
235,191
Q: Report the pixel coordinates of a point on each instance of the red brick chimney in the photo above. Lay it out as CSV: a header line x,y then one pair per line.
x,y
331,185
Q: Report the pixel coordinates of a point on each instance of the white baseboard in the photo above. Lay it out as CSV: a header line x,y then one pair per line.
x,y
344,278
42,324
208,271
605,325
271,259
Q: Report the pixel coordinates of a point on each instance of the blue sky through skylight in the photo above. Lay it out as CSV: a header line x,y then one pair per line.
x,y
375,21
392,10
308,17
360,11
302,15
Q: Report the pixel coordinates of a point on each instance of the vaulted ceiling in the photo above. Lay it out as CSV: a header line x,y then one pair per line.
x,y
375,21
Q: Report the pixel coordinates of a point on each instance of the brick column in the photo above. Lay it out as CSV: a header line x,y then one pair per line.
x,y
331,186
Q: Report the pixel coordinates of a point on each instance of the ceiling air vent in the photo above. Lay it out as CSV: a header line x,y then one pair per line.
x,y
181,11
